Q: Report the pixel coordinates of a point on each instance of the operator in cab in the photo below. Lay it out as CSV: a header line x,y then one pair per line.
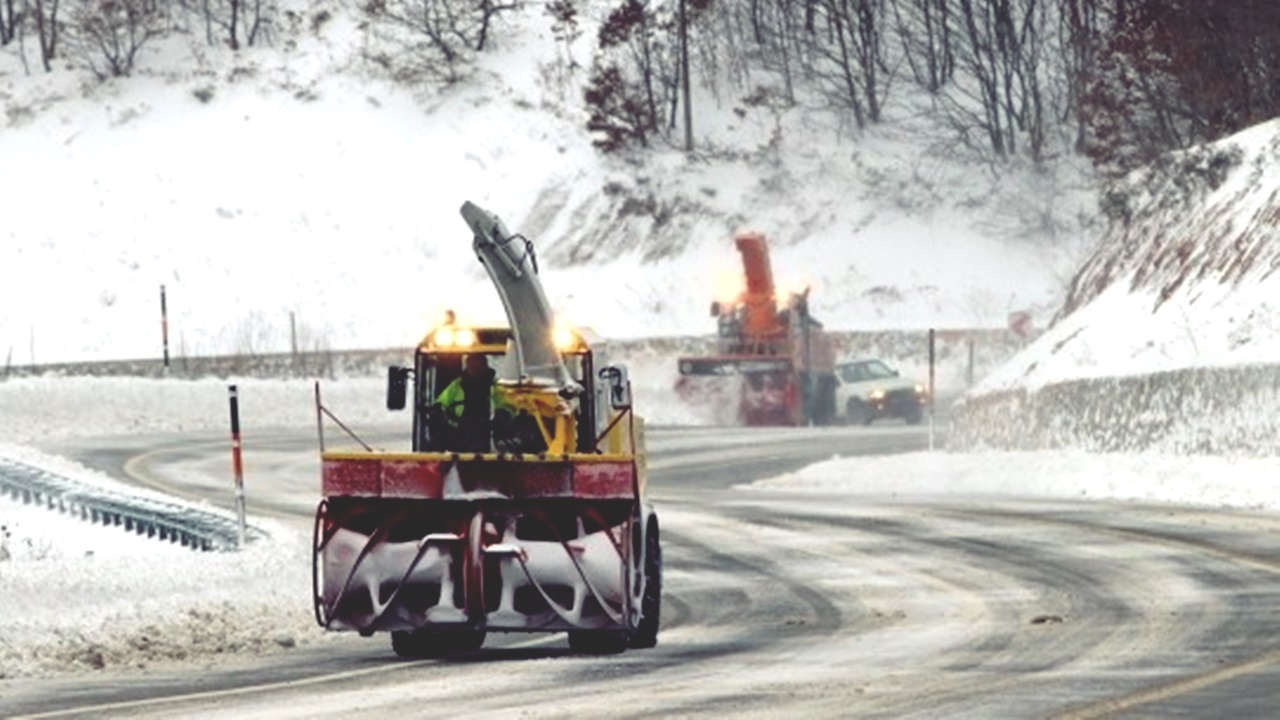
x,y
470,424
476,377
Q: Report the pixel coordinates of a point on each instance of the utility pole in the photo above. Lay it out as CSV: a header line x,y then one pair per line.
x,y
684,79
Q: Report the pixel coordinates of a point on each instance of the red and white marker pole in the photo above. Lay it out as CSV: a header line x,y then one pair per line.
x,y
236,462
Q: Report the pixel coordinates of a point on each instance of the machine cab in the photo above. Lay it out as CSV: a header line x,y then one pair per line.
x,y
499,412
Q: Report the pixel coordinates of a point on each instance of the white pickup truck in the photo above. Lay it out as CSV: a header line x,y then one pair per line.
x,y
868,389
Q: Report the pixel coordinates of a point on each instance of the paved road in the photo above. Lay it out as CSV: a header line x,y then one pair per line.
x,y
795,604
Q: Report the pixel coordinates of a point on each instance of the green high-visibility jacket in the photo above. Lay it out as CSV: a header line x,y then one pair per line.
x,y
453,395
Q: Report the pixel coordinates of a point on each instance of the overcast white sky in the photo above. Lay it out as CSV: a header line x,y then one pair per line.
x,y
343,210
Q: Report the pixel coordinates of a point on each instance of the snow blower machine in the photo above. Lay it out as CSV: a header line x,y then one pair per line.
x,y
522,504
773,363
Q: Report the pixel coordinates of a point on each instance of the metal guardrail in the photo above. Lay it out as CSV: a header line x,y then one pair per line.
x,y
165,521
975,349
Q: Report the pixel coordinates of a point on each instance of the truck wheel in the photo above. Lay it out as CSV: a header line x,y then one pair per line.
x,y
598,642
646,633
426,643
858,413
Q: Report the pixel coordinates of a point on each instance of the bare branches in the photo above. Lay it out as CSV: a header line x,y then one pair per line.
x,y
109,33
1172,73
45,15
435,37
11,17
636,77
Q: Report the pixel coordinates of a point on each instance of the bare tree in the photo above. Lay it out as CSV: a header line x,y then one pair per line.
x,y
781,35
999,90
848,56
436,37
636,79
565,29
1081,29
45,15
238,23
924,29
10,20
107,34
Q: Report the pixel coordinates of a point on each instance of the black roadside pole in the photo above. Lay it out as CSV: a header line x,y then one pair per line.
x,y
164,328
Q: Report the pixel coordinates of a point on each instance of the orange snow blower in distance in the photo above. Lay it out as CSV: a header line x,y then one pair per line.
x,y
773,361
522,505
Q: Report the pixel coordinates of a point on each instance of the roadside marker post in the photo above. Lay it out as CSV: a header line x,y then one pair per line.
x,y
164,328
932,355
236,461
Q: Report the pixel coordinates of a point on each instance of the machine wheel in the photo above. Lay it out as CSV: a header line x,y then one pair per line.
x,y
426,643
646,633
599,642
858,413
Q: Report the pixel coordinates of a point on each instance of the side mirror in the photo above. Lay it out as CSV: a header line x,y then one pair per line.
x,y
397,387
715,308
619,386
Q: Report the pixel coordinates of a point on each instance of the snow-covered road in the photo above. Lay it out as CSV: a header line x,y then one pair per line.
x,y
779,600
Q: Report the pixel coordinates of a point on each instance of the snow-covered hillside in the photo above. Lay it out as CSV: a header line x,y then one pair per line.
x,y
1185,277
296,182
1169,338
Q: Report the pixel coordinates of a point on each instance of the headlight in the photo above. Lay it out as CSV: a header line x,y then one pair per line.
x,y
920,390
564,339
450,337
877,394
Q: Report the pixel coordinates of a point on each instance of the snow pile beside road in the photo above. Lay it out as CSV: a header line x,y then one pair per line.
x,y
1246,483
76,597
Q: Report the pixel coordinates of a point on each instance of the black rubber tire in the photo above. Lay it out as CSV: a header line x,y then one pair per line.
x,y
599,642
858,413
646,632
425,643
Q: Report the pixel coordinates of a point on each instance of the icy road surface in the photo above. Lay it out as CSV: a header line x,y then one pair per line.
x,y
790,603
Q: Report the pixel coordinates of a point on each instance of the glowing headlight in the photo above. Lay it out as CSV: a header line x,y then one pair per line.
x,y
877,394
919,389
453,337
563,338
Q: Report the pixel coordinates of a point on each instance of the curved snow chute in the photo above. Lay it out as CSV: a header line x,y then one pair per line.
x,y
513,268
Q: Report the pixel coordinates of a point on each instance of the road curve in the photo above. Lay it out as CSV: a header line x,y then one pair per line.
x,y
797,603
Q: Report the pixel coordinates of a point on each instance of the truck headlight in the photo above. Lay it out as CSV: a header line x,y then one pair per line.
x,y
453,337
563,338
